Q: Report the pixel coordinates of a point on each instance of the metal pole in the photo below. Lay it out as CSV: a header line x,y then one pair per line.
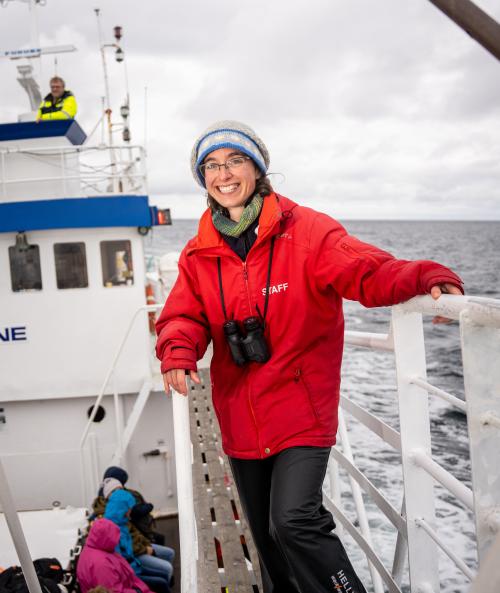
x,y
400,553
474,21
35,36
187,524
358,502
480,353
4,185
409,350
118,420
17,534
335,489
108,100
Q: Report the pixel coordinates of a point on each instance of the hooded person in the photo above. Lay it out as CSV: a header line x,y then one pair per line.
x,y
141,515
99,564
264,280
118,509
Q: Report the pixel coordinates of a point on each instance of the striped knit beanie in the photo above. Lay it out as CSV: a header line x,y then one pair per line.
x,y
228,134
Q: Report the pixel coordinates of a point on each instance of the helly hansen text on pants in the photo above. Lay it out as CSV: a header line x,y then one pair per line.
x,y
282,500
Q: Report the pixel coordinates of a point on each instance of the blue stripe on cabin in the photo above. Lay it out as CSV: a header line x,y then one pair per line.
x,y
71,213
43,129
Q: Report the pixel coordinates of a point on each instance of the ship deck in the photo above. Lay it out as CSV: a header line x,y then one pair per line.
x,y
227,560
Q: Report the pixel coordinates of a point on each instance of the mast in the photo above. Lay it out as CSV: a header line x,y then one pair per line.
x,y
474,21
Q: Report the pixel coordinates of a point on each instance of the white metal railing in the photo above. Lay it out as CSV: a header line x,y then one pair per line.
x,y
188,537
417,536
183,452
95,170
9,509
123,436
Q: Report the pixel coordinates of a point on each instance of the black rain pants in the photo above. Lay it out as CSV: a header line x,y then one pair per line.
x,y
282,500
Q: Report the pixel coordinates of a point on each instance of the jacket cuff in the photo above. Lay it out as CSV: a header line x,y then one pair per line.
x,y
179,358
443,276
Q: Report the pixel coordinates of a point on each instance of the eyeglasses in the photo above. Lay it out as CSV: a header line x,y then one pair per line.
x,y
213,167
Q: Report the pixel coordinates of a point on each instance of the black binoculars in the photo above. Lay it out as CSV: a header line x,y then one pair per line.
x,y
248,347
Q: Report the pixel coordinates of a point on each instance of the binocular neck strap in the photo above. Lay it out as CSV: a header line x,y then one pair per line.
x,y
268,282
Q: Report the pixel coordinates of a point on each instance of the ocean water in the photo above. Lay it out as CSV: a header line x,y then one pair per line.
x,y
469,248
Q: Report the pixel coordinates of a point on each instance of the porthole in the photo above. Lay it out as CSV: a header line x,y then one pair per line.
x,y
100,414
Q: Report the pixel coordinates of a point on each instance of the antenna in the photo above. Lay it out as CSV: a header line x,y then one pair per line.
x,y
106,81
145,119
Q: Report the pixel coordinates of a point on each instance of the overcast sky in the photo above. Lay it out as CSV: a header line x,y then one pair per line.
x,y
370,109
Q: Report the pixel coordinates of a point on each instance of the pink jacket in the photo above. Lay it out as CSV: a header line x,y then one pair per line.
x,y
99,564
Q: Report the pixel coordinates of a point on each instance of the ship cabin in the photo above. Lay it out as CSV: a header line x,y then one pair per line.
x,y
73,320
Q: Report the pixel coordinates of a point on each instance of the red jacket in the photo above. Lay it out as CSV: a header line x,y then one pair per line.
x,y
292,399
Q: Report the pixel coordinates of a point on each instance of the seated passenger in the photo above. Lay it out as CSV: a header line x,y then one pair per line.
x,y
58,104
118,507
100,566
152,556
141,515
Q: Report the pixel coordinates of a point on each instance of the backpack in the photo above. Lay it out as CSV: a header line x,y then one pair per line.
x,y
12,581
49,568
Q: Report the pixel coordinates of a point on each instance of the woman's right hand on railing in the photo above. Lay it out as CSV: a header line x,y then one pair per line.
x,y
176,379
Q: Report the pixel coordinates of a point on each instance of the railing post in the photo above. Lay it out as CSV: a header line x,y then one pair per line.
x,y
409,352
481,357
4,185
17,534
118,416
63,169
400,553
335,489
357,496
187,523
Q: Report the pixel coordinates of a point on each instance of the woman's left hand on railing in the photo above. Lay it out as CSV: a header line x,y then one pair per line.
x,y
437,291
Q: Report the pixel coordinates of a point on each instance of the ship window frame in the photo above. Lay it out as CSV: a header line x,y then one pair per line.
x,y
18,270
71,274
108,249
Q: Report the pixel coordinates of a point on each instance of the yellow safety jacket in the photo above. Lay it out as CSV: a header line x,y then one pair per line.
x,y
62,108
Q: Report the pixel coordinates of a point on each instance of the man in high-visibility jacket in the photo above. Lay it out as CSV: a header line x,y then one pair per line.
x,y
58,104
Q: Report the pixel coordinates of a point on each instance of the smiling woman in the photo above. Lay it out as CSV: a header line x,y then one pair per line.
x,y
231,183
264,280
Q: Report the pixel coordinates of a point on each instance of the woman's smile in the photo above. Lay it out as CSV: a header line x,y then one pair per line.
x,y
230,187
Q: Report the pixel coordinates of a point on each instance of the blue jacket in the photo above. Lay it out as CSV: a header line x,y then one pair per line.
x,y
119,503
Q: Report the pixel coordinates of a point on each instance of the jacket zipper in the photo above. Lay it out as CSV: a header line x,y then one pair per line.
x,y
245,276
357,253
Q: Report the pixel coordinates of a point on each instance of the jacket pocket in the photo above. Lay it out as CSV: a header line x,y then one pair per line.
x,y
300,379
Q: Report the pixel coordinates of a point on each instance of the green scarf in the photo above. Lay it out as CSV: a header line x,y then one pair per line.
x,y
229,227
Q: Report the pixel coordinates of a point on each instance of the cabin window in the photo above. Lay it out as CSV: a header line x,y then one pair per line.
x,y
71,265
117,268
25,269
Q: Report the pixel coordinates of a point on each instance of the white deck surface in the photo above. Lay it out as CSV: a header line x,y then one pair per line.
x,y
49,534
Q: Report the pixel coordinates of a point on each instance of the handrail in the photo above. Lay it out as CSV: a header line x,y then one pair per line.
x,y
451,399
481,310
422,459
102,168
83,177
95,406
68,149
432,534
188,538
370,340
16,532
479,323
